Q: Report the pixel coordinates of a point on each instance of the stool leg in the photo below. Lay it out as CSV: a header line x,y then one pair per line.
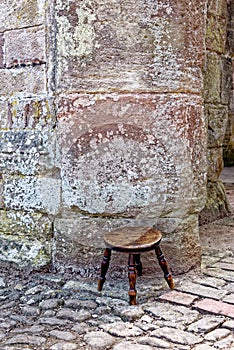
x,y
164,267
104,268
132,279
138,264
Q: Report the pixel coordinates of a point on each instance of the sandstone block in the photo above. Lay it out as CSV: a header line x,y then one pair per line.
x,y
215,163
30,80
218,8
227,80
28,152
25,238
216,34
212,79
22,13
217,117
25,47
139,48
32,193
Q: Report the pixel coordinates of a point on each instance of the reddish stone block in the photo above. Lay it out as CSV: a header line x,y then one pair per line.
x,y
178,298
215,307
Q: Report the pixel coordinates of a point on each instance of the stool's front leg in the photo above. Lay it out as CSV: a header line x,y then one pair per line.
x,y
132,279
104,268
164,267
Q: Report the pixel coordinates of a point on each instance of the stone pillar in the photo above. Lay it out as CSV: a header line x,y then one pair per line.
x,y
131,127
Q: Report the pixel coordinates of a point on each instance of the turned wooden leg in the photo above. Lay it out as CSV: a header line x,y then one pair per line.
x,y
132,279
138,264
104,268
164,267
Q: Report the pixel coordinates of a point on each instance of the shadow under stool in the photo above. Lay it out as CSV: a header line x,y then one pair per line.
x,y
133,241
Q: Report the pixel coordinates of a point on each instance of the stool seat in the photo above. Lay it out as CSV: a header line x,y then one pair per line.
x,y
133,240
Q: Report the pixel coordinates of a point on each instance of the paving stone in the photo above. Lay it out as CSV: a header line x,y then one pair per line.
x,y
210,282
64,346
32,329
77,304
205,324
131,346
72,315
172,313
215,307
226,343
177,336
62,335
179,298
131,313
154,342
224,266
203,347
52,321
229,299
30,311
51,304
99,340
2,283
229,324
217,334
122,329
2,335
79,328
26,339
219,273
35,290
202,291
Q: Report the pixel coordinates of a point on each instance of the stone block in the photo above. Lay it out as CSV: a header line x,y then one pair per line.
x,y
3,113
25,47
1,193
32,193
28,152
215,163
216,34
217,7
226,80
130,47
22,13
1,51
28,80
33,112
215,307
178,298
25,238
212,79
217,117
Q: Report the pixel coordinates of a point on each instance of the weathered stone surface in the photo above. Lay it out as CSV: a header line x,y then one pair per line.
x,y
28,80
99,340
212,78
131,49
25,238
216,33
25,47
22,13
32,193
217,122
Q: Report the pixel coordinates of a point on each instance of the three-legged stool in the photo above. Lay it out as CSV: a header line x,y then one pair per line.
x,y
134,241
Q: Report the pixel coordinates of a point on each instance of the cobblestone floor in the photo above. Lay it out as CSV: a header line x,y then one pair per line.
x,y
49,311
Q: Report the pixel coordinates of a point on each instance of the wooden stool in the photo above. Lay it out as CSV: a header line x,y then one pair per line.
x,y
134,241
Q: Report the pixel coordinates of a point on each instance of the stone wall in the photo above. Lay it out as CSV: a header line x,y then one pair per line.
x,y
229,137
103,124
217,96
30,181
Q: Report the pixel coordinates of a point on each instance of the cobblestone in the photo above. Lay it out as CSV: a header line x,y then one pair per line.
x,y
51,311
